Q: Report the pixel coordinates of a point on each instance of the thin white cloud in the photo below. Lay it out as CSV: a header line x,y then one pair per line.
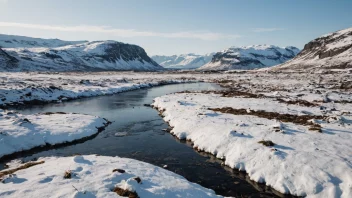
x,y
122,32
267,29
3,1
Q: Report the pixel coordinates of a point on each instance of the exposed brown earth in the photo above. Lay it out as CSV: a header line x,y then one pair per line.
x,y
296,119
24,166
125,193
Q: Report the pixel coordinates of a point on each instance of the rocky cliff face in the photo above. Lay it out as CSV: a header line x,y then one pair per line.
x,y
80,56
183,61
250,57
331,51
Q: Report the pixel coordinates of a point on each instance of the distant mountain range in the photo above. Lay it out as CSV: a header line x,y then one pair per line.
x,y
19,53
331,51
183,61
250,57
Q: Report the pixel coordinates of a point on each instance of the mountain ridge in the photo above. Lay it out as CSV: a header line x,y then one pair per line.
x,y
250,57
58,55
183,61
330,51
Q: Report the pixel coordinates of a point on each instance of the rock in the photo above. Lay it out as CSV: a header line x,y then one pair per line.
x,y
118,170
138,179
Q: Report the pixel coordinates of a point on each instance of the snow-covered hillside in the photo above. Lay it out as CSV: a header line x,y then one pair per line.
x,y
56,55
331,51
183,61
12,41
250,57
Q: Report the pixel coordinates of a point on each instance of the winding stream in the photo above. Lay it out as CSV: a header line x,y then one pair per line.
x,y
137,132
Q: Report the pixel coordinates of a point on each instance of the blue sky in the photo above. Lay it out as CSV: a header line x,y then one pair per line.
x,y
172,27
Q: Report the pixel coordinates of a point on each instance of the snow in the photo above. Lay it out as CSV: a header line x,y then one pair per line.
x,y
23,132
93,176
337,47
183,61
306,163
57,55
12,41
302,162
19,88
250,57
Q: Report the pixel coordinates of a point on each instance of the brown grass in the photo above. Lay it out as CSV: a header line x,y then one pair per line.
x,y
125,193
243,94
228,93
316,127
298,102
296,119
266,142
67,175
24,166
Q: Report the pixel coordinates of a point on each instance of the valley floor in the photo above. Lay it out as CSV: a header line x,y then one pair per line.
x,y
290,130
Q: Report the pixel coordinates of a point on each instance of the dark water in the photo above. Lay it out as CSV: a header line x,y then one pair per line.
x,y
136,132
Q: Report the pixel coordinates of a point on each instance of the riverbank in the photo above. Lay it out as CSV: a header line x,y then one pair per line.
x,y
41,88
331,91
20,133
97,176
292,134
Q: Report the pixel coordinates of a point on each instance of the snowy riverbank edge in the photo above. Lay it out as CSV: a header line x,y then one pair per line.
x,y
98,176
40,89
22,133
302,162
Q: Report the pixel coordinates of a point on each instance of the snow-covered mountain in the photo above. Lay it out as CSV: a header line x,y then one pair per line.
x,y
56,55
183,61
331,51
250,57
12,41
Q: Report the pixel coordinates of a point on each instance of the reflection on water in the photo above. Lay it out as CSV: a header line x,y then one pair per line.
x,y
136,132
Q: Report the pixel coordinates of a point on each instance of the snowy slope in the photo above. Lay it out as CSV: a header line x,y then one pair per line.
x,y
183,61
250,57
13,41
56,55
331,51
